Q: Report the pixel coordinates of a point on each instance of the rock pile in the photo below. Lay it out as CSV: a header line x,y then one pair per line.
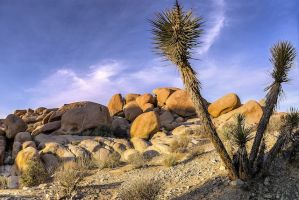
x,y
136,123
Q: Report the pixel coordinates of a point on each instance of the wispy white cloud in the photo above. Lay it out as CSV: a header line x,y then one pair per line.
x,y
99,83
215,24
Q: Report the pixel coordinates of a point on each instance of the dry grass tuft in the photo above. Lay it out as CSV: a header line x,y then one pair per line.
x,y
180,145
170,160
112,161
67,178
35,174
140,189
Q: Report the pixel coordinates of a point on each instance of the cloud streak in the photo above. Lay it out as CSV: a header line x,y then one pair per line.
x,y
216,19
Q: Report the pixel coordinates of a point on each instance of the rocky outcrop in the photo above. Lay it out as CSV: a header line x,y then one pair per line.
x,y
224,105
131,97
145,125
13,125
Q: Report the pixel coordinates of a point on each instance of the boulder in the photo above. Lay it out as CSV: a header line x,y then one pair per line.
x,y
131,97
119,147
224,105
20,113
24,157
90,145
39,110
16,148
166,118
47,117
102,154
145,125
23,137
130,153
78,151
50,161
180,103
189,130
89,115
150,154
47,128
2,149
139,144
28,144
59,150
252,111
132,110
144,99
116,104
147,107
163,94
13,125
120,126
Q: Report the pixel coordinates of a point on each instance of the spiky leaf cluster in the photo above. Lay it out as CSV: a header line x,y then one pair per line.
x,y
176,32
282,57
292,118
239,132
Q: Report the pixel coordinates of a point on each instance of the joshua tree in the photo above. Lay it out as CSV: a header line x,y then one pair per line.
x,y
283,56
176,33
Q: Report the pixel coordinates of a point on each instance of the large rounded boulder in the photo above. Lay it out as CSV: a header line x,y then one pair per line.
x,y
13,125
116,104
90,115
252,111
224,105
145,125
180,103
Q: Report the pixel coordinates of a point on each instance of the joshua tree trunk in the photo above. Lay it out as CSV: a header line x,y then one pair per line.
x,y
271,102
192,87
243,164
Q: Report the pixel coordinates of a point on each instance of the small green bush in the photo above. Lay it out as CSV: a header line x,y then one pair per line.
x,y
140,189
35,174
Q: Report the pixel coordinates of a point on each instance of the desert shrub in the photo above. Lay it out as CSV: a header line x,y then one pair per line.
x,y
137,160
171,159
140,189
85,163
67,178
3,182
35,174
180,145
111,162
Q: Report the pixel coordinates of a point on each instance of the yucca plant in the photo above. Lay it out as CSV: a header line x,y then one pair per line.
x,y
282,57
176,34
290,124
240,135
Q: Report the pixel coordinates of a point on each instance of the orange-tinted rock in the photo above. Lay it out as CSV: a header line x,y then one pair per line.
x,y
115,104
224,105
180,103
163,94
145,125
131,97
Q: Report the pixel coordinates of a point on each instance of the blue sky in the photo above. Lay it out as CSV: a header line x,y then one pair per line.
x,y
58,51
